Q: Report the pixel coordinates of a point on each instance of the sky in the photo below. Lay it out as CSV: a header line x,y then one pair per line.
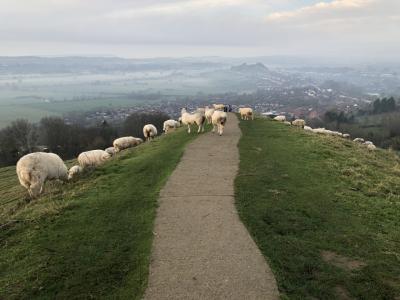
x,y
344,29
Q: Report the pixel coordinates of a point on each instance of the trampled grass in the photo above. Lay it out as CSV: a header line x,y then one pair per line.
x,y
90,238
323,210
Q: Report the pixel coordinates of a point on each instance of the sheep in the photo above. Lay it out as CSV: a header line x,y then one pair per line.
x,y
319,130
346,135
170,124
308,128
280,118
299,123
219,120
208,113
149,131
74,171
201,110
287,123
34,169
359,140
195,118
126,142
92,158
219,106
246,113
111,151
370,146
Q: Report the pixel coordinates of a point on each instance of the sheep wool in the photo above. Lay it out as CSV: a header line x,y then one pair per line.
x,y
149,131
280,118
299,123
246,113
126,142
111,151
92,158
195,118
219,120
74,171
170,124
34,169
208,114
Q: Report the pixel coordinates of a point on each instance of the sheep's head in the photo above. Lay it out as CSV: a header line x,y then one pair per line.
x,y
106,156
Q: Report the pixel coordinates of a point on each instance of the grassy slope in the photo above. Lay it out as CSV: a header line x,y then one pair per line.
x,y
87,239
301,194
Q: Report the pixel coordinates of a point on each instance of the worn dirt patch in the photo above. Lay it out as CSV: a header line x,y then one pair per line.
x,y
342,262
342,293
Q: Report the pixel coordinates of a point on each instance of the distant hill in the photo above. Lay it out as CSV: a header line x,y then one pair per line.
x,y
256,68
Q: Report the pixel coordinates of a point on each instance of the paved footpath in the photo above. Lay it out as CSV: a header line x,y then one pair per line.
x,y
201,249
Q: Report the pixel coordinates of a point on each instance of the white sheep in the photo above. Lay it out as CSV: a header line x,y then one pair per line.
x,y
111,151
219,106
280,118
170,124
126,142
308,128
208,113
92,158
74,171
35,169
299,123
201,110
346,135
219,120
246,113
319,130
371,146
149,131
194,118
287,123
359,140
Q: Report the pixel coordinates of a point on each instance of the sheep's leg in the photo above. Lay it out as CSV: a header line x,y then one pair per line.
x,y
188,128
213,130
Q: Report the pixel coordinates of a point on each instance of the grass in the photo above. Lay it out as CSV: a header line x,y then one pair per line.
x,y
323,210
90,238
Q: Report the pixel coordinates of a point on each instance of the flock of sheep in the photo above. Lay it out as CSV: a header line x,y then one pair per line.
x,y
35,169
301,123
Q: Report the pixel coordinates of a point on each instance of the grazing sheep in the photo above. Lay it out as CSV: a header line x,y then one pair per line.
x,y
370,146
359,140
219,120
280,118
299,123
126,142
319,130
219,106
246,113
170,124
195,118
308,128
346,135
92,158
208,113
74,171
35,169
111,151
149,131
287,123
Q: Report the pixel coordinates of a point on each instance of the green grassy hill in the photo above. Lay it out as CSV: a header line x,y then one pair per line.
x,y
323,210
90,238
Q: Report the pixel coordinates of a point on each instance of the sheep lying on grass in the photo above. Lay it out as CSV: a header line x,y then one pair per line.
x,y
92,158
287,123
149,131
35,169
280,118
111,151
208,113
170,124
219,120
74,171
195,118
126,142
359,140
308,128
346,135
246,113
299,123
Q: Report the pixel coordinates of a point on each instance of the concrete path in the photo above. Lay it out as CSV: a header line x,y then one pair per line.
x,y
201,249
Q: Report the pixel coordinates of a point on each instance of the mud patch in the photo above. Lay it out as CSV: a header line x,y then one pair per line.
x,y
342,262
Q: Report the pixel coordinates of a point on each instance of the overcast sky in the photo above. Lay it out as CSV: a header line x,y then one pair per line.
x,y
163,28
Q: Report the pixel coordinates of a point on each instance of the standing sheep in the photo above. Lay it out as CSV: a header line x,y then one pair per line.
x,y
170,124
35,169
74,171
208,113
195,118
92,158
299,122
246,113
219,106
149,131
219,120
126,142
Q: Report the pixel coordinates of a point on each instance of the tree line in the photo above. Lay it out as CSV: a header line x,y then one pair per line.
x,y
53,134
